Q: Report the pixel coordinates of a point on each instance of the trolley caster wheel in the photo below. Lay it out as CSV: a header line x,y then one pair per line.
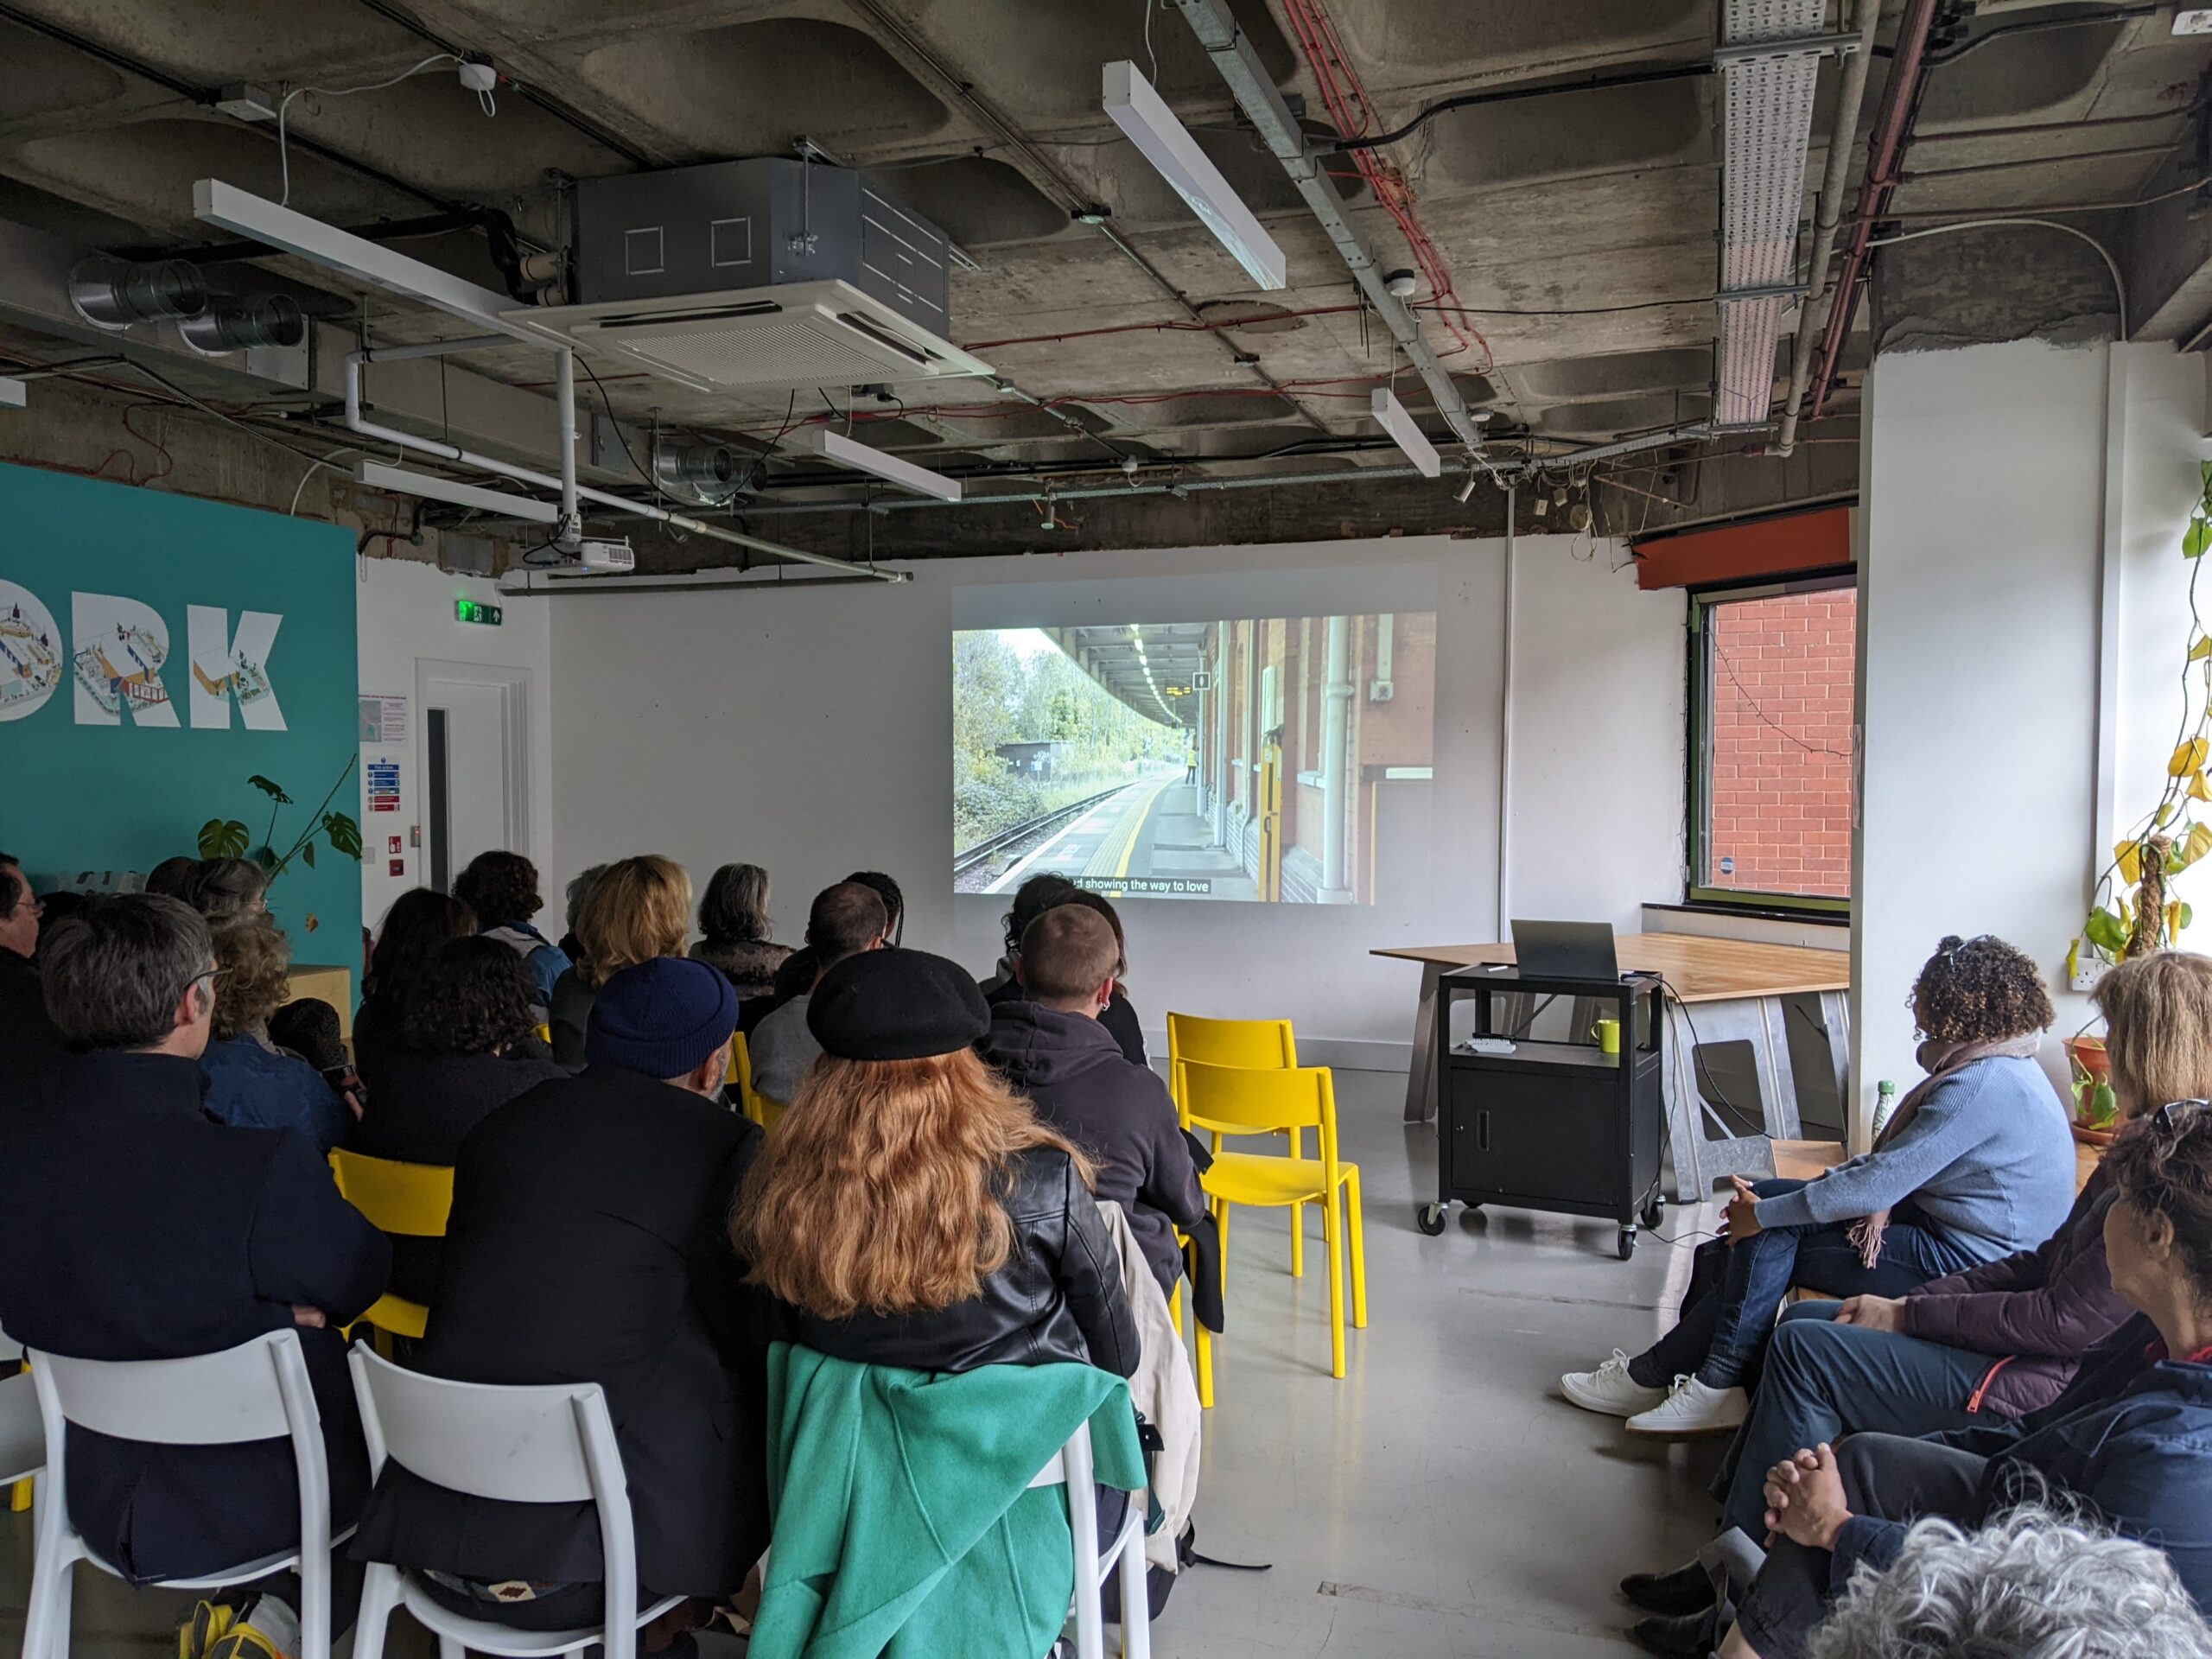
x,y
1654,1213
1627,1245
1429,1218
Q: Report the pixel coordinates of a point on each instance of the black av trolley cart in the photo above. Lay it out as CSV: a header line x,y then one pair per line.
x,y
1558,1126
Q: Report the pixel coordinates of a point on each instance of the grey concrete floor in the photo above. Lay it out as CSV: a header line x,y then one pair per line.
x,y
1439,1501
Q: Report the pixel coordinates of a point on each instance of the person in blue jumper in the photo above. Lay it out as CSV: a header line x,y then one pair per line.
x,y
251,1083
1976,1163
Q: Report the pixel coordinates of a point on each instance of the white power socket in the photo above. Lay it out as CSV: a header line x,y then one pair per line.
x,y
2086,972
2193,19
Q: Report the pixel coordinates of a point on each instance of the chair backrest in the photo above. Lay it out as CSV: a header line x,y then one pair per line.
x,y
1260,1043
410,1200
740,1062
255,1391
1240,1100
546,1444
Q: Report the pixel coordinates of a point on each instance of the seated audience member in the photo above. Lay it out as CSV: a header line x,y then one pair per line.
x,y
134,1226
1055,1049
27,1036
166,879
57,904
573,906
421,922
1030,900
794,979
894,903
734,916
2131,1438
467,1047
635,910
251,1083
1120,1016
308,1027
2029,1585
846,921
225,889
1995,1342
1977,1163
589,1242
502,889
912,1211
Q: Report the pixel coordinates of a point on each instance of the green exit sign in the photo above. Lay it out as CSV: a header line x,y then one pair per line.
x,y
468,610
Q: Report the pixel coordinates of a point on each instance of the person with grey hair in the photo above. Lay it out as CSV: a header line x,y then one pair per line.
x,y
133,1225
225,889
734,916
2030,1584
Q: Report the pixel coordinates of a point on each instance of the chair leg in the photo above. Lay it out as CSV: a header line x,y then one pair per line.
x,y
379,1595
1205,1360
1358,1250
1175,1306
315,1605
19,1495
45,1620
1333,1231
1298,1214
1136,1604
452,1648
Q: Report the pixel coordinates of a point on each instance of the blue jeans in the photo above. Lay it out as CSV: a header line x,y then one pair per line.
x,y
1735,1289
1823,1381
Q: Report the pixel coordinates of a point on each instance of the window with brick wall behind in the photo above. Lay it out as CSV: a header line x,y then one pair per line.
x,y
1777,788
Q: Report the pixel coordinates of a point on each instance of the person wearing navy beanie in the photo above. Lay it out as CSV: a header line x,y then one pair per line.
x,y
589,1242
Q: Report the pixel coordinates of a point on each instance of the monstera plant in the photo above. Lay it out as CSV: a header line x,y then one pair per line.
x,y
2134,909
231,838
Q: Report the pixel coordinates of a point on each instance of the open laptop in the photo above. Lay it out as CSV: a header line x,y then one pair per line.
x,y
1566,950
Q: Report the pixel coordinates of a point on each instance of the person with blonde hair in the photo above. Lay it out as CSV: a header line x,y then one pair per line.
x,y
1986,1346
635,910
250,1081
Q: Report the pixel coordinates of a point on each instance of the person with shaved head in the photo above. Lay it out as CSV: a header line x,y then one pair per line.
x,y
1051,1048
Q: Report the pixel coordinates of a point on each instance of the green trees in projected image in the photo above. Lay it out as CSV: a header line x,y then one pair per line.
x,y
1003,695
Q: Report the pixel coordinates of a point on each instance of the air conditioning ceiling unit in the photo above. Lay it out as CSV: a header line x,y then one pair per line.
x,y
763,274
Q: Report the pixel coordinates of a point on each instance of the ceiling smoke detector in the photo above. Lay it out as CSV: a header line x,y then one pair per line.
x,y
1401,284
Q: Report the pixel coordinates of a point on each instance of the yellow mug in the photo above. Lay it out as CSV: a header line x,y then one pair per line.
x,y
1608,1033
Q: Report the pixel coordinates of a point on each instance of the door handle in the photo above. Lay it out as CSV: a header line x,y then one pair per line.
x,y
1482,1131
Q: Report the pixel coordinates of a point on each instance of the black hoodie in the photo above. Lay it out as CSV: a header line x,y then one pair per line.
x,y
1075,1075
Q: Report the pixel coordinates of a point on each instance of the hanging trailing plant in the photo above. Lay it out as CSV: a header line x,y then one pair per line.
x,y
231,838
2132,910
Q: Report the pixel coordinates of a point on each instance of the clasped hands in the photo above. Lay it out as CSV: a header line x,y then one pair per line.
x,y
1742,1213
1805,1500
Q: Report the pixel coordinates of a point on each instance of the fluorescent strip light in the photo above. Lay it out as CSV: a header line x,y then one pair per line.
x,y
1142,113
1400,425
401,481
837,448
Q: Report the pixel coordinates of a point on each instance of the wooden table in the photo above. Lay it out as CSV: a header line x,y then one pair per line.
x,y
1730,990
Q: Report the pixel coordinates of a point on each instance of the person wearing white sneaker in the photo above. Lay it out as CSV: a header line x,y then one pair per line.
x,y
1976,1163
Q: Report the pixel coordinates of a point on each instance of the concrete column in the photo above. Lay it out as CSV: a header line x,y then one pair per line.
x,y
1338,785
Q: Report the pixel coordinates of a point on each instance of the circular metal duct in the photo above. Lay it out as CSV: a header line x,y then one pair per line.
x,y
240,325
115,293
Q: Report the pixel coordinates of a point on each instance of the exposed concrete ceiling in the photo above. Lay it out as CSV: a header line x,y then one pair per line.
x,y
1580,228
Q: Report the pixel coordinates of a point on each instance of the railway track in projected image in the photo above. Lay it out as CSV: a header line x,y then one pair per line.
x,y
1143,839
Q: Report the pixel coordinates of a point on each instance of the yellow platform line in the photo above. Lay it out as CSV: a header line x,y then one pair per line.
x,y
1111,862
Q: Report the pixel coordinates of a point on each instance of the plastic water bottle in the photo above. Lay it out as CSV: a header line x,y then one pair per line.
x,y
1885,1102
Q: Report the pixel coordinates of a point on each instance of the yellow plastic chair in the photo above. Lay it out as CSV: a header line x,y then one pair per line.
x,y
545,1035
410,1200
1230,1100
754,1104
1261,1044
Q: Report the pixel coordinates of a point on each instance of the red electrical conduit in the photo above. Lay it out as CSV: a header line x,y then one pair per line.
x,y
1885,155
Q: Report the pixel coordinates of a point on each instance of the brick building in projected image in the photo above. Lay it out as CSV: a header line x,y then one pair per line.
x,y
1355,802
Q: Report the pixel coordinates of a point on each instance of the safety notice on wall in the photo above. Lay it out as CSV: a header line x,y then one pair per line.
x,y
384,719
383,775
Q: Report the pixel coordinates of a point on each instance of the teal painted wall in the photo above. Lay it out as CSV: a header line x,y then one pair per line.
x,y
99,581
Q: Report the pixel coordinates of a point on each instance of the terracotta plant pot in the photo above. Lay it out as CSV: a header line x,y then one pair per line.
x,y
2088,1054
2089,1137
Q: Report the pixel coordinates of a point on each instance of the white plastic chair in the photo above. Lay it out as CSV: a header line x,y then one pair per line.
x,y
255,1391
553,1443
1072,1467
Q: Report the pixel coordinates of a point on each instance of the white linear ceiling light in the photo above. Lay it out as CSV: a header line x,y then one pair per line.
x,y
1400,425
1143,115
1767,129
403,481
839,450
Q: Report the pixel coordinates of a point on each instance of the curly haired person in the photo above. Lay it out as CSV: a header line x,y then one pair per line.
x,y
1976,1163
250,1081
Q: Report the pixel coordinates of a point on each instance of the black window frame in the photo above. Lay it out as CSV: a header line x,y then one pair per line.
x,y
1698,795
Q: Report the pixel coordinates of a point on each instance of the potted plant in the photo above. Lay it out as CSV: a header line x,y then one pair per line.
x,y
231,838
2133,909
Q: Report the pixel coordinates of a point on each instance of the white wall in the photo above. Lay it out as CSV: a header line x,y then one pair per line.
x,y
406,613
808,731
1982,586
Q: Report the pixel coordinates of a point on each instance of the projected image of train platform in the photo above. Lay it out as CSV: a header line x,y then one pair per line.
x,y
1238,760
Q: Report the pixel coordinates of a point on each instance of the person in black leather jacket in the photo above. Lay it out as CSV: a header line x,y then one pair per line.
x,y
910,1210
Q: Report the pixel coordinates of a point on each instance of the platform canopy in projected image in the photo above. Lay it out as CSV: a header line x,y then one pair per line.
x,y
1270,760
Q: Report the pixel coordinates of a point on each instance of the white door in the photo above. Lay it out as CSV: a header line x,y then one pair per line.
x,y
475,755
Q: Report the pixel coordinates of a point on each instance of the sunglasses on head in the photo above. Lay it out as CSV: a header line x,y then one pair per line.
x,y
2170,1118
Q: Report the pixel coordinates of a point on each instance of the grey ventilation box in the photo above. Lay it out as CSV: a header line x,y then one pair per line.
x,y
764,273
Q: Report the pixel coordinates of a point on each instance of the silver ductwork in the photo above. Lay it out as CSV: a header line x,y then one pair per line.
x,y
115,293
696,470
245,324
